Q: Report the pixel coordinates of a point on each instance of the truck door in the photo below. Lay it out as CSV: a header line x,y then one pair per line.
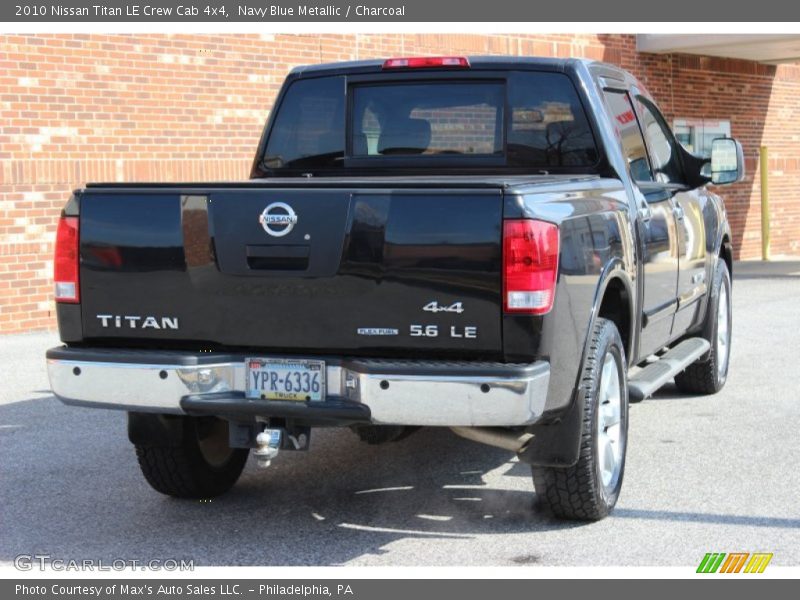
x,y
656,228
688,206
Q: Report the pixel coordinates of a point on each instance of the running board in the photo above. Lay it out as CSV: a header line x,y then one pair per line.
x,y
656,374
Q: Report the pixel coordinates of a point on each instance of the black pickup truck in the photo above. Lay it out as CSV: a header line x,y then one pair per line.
x,y
514,248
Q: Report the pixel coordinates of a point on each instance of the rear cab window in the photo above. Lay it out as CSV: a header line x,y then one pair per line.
x,y
433,118
529,121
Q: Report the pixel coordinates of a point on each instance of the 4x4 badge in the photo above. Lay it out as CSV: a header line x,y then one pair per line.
x,y
435,307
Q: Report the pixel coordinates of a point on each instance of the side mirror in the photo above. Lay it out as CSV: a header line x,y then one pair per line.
x,y
727,161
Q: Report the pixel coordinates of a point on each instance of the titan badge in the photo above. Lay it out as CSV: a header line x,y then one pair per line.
x,y
138,322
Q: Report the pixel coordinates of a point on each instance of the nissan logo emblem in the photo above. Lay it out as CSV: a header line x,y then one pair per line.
x,y
278,219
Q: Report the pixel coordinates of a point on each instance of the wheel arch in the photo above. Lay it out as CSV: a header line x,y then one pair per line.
x,y
726,252
614,300
616,306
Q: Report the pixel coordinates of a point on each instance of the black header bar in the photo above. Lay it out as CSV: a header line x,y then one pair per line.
x,y
440,11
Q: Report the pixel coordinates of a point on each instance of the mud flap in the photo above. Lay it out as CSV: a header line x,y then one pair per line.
x,y
556,444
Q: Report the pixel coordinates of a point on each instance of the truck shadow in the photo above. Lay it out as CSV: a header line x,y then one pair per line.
x,y
670,391
694,517
72,489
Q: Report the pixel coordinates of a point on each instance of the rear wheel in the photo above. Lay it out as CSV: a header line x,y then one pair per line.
x,y
589,489
708,374
198,464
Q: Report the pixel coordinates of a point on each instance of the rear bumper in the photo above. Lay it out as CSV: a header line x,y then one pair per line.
x,y
389,392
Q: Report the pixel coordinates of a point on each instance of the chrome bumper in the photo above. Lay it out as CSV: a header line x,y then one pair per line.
x,y
393,392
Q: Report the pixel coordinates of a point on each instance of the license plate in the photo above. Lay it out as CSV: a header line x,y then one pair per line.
x,y
285,379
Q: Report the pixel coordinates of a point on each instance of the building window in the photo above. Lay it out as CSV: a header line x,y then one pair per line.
x,y
696,135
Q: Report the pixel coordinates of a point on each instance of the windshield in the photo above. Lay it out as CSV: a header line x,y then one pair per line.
x,y
530,120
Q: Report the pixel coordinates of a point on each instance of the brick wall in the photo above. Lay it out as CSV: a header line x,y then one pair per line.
x,y
78,108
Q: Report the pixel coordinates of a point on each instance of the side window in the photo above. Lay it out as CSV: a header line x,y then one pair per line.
x,y
663,148
628,127
309,127
547,124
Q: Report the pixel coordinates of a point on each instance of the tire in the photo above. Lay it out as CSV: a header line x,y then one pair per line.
x,y
588,490
199,464
708,374
375,435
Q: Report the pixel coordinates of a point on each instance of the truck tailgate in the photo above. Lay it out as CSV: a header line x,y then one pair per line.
x,y
404,271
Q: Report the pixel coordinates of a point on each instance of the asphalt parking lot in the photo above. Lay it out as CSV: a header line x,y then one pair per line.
x,y
704,474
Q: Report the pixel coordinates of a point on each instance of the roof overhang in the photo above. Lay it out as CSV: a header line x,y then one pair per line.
x,y
769,49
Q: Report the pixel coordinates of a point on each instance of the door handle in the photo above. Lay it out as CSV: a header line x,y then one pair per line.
x,y
645,213
677,210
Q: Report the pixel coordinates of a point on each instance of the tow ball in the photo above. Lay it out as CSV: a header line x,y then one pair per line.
x,y
270,441
268,444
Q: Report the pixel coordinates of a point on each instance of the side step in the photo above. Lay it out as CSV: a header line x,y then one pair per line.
x,y
656,374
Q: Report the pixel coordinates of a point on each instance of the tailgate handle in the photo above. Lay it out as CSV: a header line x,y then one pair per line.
x,y
277,258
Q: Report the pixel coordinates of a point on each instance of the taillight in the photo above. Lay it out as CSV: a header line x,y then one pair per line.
x,y
65,264
530,266
427,62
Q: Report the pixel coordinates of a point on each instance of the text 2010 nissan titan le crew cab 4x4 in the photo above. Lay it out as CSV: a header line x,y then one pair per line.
x,y
515,248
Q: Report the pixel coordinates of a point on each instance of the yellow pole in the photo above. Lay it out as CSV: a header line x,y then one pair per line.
x,y
763,158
